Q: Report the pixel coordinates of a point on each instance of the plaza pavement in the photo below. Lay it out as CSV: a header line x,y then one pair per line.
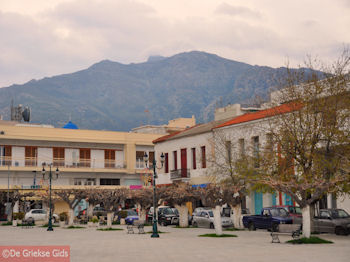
x,y
178,245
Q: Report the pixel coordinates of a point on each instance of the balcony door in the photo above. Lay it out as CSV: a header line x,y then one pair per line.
x,y
184,162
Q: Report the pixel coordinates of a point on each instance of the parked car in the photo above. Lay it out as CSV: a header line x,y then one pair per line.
x,y
294,212
269,218
206,219
40,214
168,216
131,216
332,221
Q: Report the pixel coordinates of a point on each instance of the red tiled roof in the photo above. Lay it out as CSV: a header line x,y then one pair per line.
x,y
282,109
164,138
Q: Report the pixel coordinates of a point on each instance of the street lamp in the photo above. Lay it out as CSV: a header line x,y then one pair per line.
x,y
154,220
49,228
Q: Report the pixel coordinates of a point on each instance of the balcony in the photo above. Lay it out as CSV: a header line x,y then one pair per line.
x,y
180,174
62,163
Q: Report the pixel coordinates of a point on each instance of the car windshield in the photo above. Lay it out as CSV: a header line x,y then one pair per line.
x,y
339,213
176,211
168,211
279,212
132,213
211,213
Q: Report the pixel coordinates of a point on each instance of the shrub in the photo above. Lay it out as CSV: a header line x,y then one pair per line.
x,y
20,215
94,219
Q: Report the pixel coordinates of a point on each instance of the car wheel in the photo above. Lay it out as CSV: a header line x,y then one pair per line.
x,y
274,228
163,224
194,224
339,231
211,226
251,226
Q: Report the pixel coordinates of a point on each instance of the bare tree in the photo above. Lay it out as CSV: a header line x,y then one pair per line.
x,y
212,196
310,135
111,199
178,195
72,197
144,200
92,196
229,169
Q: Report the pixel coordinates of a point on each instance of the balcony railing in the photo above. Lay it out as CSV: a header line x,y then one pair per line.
x,y
61,162
182,173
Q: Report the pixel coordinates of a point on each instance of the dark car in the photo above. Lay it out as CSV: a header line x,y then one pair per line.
x,y
269,218
167,216
332,221
294,212
131,216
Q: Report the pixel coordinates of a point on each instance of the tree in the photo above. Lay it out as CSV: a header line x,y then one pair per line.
x,y
310,135
72,197
178,195
144,200
227,168
111,199
212,196
92,196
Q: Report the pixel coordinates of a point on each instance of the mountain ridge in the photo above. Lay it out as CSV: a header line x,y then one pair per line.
x,y
110,95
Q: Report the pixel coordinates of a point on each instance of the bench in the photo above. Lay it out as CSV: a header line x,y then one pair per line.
x,y
293,230
139,224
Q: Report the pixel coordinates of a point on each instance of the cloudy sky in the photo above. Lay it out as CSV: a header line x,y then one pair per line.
x,y
48,37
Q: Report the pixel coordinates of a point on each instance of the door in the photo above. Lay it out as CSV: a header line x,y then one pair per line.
x,y
184,162
258,202
325,222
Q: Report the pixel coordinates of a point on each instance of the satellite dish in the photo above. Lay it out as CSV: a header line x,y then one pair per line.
x,y
26,114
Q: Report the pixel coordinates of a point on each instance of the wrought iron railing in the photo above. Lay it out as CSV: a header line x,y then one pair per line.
x,y
182,173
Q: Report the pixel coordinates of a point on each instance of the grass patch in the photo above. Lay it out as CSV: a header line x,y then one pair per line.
x,y
311,240
74,227
177,226
7,223
215,235
109,229
234,229
46,225
159,232
116,223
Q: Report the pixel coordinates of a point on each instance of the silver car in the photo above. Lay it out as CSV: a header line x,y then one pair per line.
x,y
332,221
206,219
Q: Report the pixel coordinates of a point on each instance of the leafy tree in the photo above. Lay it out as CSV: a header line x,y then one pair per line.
x,y
309,156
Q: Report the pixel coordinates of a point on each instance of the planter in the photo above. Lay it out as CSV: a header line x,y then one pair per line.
x,y
14,223
62,223
92,224
122,221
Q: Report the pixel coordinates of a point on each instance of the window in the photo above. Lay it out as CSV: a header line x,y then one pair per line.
x,y
241,147
204,162
84,181
5,155
109,158
85,157
175,159
194,161
166,163
31,155
109,181
139,159
58,156
150,159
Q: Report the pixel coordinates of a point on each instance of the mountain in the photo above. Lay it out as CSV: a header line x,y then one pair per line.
x,y
114,96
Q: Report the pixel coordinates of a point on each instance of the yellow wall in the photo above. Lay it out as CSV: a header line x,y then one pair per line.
x,y
61,206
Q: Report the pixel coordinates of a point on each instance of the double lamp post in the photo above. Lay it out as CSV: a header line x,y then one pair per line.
x,y
50,178
154,220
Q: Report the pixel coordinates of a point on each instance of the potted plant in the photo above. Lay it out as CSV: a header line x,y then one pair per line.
x,y
122,215
63,218
93,222
20,216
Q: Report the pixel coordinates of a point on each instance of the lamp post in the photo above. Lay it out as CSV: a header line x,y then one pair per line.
x,y
154,220
49,228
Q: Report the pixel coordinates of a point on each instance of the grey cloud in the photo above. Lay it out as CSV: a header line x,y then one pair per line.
x,y
231,10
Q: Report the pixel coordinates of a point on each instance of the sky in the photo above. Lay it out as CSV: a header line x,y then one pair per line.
x,y
42,38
